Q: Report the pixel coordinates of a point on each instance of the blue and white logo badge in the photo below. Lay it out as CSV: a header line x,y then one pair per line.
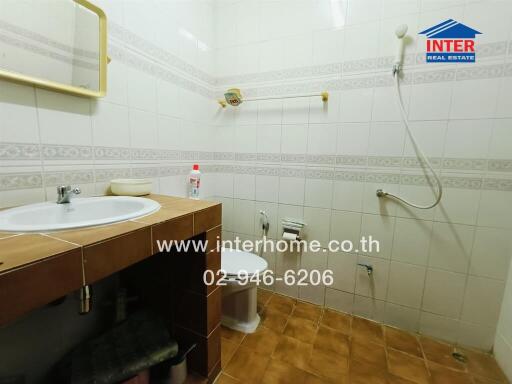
x,y
450,42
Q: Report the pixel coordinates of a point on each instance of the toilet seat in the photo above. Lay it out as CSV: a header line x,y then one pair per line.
x,y
233,261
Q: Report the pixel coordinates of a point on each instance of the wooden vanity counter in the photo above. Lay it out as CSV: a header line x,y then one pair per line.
x,y
36,269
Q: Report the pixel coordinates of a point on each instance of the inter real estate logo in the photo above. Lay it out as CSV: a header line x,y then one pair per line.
x,y
450,42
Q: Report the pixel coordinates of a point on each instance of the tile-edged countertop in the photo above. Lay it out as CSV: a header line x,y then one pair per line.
x,y
36,269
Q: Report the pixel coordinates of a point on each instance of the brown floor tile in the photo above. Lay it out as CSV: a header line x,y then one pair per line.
x,y
227,351
402,341
392,379
247,366
279,372
443,375
264,340
367,331
302,329
232,335
330,340
337,320
369,353
225,379
312,379
293,351
329,365
483,380
362,373
263,299
407,367
482,364
281,304
307,311
440,353
274,319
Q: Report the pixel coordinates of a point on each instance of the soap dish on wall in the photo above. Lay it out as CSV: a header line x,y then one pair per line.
x,y
131,187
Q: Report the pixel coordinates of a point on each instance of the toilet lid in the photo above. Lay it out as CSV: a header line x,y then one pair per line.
x,y
233,261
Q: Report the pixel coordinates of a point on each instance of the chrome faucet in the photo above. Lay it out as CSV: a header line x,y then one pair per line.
x,y
64,193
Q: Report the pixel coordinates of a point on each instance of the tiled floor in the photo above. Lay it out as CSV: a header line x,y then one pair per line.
x,y
299,343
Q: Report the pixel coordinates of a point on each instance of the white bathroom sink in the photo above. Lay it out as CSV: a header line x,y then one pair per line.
x,y
86,212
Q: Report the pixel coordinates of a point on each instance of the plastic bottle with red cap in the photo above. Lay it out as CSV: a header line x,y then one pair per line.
x,y
194,182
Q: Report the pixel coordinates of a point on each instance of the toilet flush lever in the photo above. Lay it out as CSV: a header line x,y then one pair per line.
x,y
369,268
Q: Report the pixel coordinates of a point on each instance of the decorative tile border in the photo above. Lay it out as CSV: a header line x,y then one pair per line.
x,y
30,180
126,36
25,180
50,152
36,37
43,51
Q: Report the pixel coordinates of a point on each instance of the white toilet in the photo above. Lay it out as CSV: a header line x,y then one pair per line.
x,y
239,302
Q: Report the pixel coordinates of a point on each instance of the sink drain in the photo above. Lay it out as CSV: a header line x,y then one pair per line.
x,y
459,357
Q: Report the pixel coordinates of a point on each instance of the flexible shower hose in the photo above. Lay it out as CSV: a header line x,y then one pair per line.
x,y
419,152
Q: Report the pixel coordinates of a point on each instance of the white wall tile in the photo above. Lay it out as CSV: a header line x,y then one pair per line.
x,y
353,139
491,253
321,112
467,104
245,187
439,327
381,229
444,293
369,308
430,136
495,209
374,286
346,226
243,216
348,196
18,113
143,129
295,111
402,317
482,301
343,266
468,138
451,247
339,300
430,101
501,140
322,139
411,241
356,105
406,283
318,193
361,41
294,138
476,336
63,119
267,188
141,90
110,125
318,224
361,11
269,138
328,45
291,190
386,139
458,205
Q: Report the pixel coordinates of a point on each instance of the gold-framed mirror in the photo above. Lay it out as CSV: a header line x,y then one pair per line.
x,y
59,45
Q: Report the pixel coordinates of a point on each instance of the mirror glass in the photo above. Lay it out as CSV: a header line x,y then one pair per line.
x,y
51,40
